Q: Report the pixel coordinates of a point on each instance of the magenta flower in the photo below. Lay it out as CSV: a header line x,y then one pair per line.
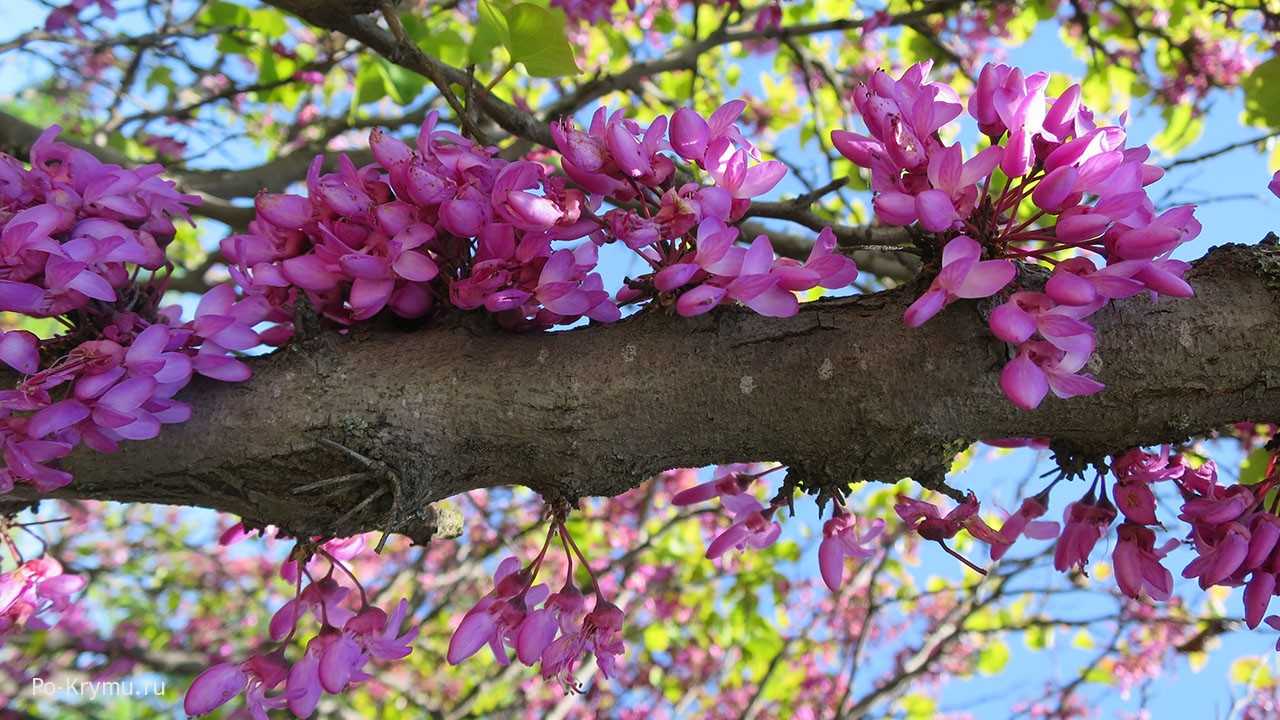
x,y
753,525
746,181
19,350
302,687
323,599
495,620
928,522
1257,597
1024,522
708,142
1084,523
1137,563
1136,500
757,287
722,483
214,687
1027,313
561,612
840,540
1228,505
28,594
963,275
824,267
599,635
1220,560
1039,367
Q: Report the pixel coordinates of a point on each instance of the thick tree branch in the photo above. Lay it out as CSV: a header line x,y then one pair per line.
x,y
842,392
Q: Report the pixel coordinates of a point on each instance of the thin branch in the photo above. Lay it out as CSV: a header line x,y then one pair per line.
x,y
1222,150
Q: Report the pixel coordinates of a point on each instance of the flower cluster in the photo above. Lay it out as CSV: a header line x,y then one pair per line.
x,y
1235,532
334,659
450,224
753,523
77,236
1051,186
31,593
556,634
927,520
843,535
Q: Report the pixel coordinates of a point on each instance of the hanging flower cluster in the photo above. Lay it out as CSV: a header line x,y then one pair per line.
x,y
1234,530
334,659
1051,186
555,635
38,589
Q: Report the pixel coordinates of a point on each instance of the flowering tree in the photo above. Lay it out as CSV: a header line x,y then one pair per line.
x,y
311,264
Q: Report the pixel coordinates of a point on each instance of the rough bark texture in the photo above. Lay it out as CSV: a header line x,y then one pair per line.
x,y
842,392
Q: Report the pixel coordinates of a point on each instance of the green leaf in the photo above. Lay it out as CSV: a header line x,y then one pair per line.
x,y
993,657
1083,640
657,637
372,83
160,75
917,706
538,41
405,84
1254,467
1039,637
1261,97
447,45
1099,676
1182,128
269,22
225,13
493,19
230,44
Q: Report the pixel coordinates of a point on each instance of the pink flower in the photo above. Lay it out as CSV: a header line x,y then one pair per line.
x,y
1039,367
753,525
1136,501
599,635
322,598
496,619
562,611
928,522
29,593
963,275
214,687
1137,563
1220,560
840,540
1024,522
1085,522
723,482
706,142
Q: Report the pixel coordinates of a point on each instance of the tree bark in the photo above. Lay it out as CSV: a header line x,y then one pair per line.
x,y
843,392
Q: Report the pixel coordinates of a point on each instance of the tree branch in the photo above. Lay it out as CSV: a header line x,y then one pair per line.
x,y
841,392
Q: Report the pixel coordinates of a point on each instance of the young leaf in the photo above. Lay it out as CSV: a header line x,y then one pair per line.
x,y
1260,106
538,41
492,18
